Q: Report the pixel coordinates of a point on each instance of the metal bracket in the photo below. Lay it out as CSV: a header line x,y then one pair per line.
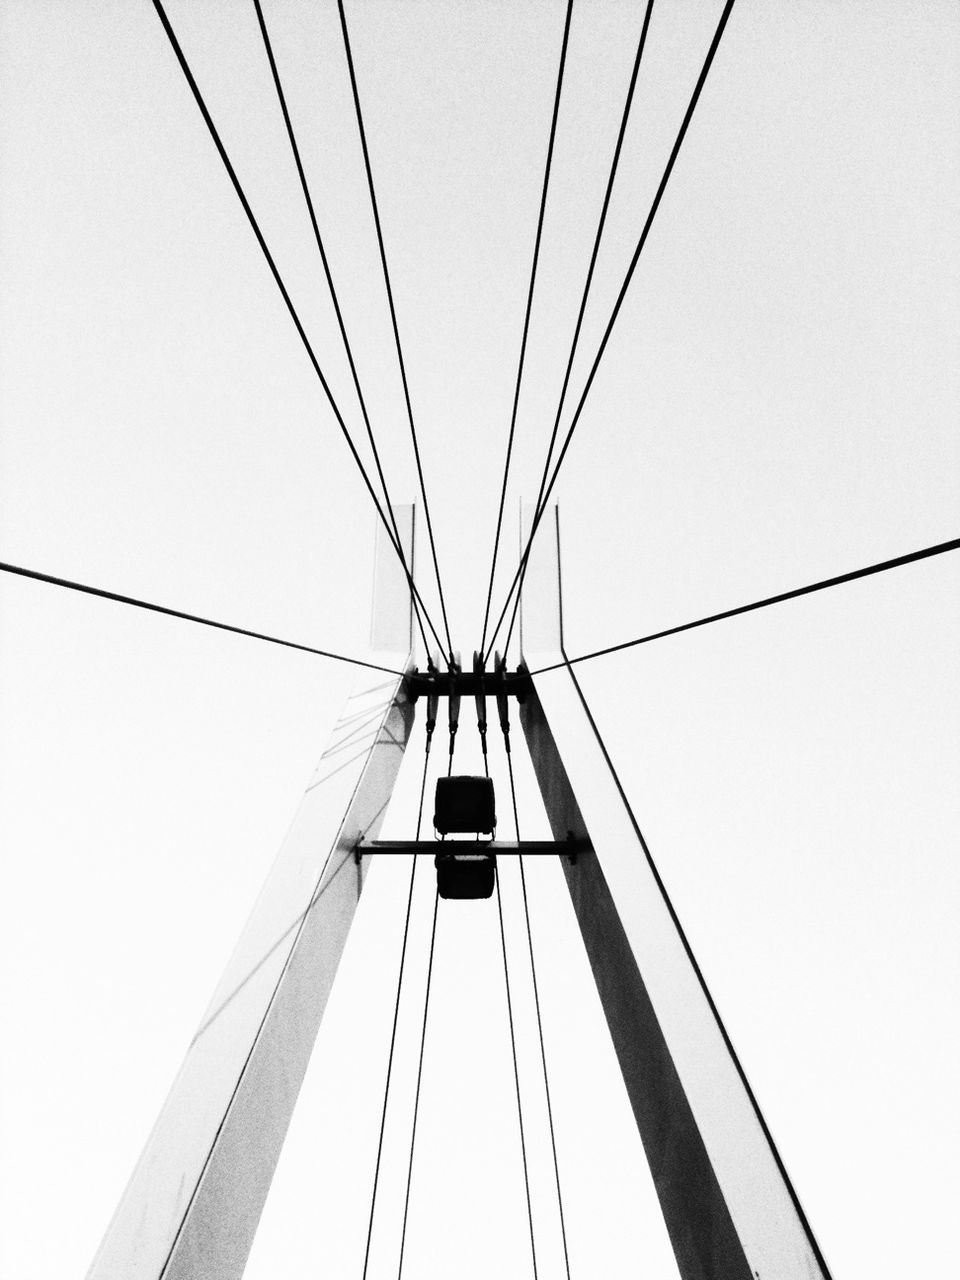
x,y
503,683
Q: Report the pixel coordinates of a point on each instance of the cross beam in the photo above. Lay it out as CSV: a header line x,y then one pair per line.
x,y
446,684
528,848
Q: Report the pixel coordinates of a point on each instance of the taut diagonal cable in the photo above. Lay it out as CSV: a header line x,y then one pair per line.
x,y
536,1001
305,188
396,1009
910,558
278,279
601,223
516,1075
416,1103
701,981
115,596
393,1042
675,151
526,317
393,320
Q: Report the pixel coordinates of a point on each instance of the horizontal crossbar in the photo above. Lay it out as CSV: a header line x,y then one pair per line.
x,y
467,684
533,848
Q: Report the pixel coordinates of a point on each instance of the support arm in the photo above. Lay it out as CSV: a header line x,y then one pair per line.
x,y
728,1204
194,1200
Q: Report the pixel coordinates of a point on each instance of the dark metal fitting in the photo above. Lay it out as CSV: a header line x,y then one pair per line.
x,y
457,684
574,845
503,704
453,695
479,696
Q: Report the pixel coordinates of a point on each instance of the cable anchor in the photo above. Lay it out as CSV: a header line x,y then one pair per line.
x,y
503,703
453,702
481,702
433,700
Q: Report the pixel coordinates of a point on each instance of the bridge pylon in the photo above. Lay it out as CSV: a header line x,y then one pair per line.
x,y
194,1200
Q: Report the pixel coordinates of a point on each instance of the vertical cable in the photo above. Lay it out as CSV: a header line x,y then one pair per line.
x,y
536,1000
516,1075
396,1009
393,1041
416,1104
423,788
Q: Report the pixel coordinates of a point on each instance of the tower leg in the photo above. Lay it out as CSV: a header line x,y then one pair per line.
x,y
728,1204
195,1198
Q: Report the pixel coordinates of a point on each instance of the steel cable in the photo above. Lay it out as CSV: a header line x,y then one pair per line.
x,y
186,617
396,1014
655,205
526,317
416,1103
912,556
536,1001
516,1074
278,280
393,1041
393,319
305,188
601,223
698,973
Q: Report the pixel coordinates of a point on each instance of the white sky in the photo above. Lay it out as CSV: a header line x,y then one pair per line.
x,y
778,404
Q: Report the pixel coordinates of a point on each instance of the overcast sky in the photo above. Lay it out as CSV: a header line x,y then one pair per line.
x,y
777,405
